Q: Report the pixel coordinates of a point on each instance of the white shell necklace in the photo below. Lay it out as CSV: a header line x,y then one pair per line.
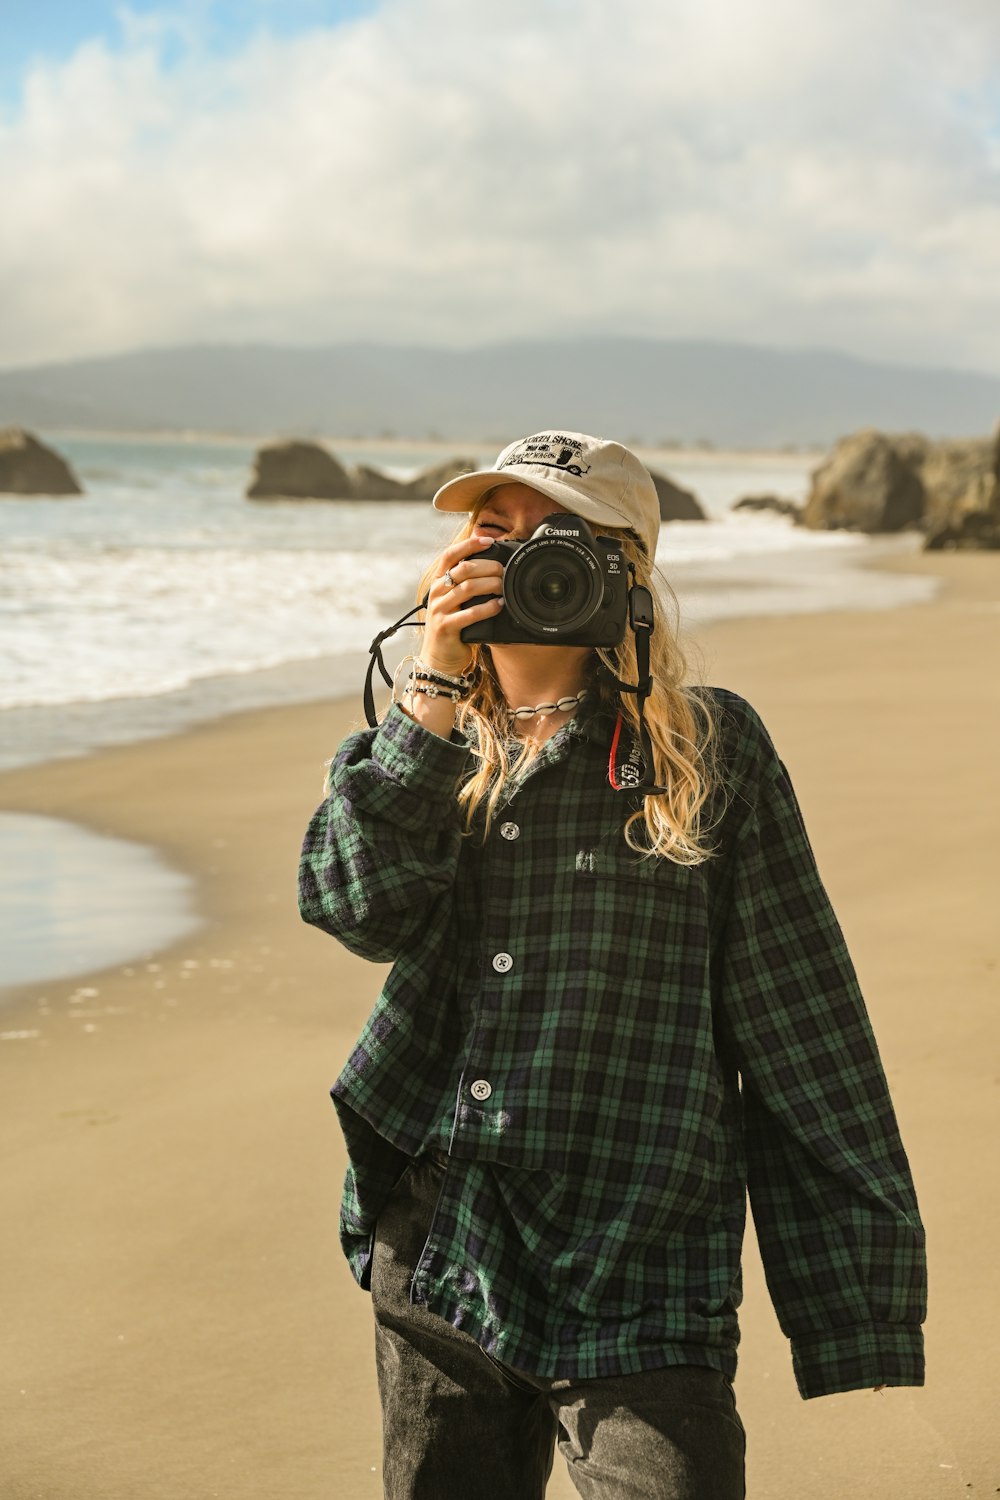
x,y
543,710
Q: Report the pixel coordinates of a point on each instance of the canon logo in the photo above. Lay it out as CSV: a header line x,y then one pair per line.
x,y
555,531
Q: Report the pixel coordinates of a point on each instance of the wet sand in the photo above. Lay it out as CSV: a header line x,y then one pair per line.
x,y
177,1316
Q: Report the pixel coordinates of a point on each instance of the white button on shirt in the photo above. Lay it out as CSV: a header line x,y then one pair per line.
x,y
502,962
509,831
481,1090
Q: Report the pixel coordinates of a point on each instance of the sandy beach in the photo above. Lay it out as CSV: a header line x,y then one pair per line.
x,y
178,1320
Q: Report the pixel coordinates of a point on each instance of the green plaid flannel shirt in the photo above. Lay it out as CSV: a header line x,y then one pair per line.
x,y
611,1050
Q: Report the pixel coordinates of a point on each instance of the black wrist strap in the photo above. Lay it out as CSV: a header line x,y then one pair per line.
x,y
375,659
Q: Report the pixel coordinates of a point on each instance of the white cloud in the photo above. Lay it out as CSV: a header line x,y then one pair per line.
x,y
821,174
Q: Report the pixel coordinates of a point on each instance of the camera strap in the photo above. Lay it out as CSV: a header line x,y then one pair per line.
x,y
626,773
376,659
634,772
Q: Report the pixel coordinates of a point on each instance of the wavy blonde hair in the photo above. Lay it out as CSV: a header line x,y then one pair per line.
x,y
670,824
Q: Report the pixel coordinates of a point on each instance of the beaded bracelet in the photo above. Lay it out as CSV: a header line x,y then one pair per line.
x,y
442,682
432,689
434,674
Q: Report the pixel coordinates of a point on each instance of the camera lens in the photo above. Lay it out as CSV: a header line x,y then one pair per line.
x,y
553,586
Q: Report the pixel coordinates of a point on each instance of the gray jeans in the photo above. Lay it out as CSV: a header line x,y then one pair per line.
x,y
458,1425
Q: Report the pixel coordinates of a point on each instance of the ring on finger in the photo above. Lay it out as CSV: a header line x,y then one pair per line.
x,y
448,579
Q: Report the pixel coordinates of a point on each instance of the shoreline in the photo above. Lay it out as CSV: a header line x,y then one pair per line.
x,y
184,1322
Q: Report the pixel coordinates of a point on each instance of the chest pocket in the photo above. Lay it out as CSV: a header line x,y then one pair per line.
x,y
624,865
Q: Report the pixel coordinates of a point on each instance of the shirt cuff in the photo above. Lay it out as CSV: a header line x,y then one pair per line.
x,y
857,1359
360,1250
418,759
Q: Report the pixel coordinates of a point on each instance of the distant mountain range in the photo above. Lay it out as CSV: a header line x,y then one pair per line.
x,y
639,390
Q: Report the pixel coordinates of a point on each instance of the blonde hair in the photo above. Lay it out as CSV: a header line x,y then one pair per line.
x,y
677,716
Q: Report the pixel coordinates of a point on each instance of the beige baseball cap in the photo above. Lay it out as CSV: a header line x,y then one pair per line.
x,y
592,477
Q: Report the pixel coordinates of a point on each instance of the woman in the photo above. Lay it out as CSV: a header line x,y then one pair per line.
x,y
610,1011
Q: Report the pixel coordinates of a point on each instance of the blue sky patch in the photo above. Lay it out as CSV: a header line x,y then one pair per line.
x,y
54,29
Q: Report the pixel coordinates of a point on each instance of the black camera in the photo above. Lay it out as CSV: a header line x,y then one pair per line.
x,y
562,587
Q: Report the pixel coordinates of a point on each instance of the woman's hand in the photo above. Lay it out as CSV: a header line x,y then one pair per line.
x,y
463,577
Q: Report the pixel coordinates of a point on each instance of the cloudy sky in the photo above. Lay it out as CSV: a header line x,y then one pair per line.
x,y
785,172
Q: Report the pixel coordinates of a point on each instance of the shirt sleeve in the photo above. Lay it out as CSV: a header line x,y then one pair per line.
x,y
383,847
830,1187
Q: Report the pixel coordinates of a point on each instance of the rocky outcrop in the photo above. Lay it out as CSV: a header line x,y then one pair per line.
x,y
29,467
676,504
775,503
425,485
950,490
368,483
963,496
977,531
869,482
959,479
298,470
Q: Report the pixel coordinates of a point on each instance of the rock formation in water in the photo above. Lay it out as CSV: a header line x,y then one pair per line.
x,y
879,482
368,483
425,485
298,470
776,503
869,482
30,467
676,504
962,489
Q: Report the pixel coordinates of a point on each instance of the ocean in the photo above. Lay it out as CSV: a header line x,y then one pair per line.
x,y
162,596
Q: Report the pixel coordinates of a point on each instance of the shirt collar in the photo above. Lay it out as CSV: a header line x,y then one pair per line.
x,y
594,718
